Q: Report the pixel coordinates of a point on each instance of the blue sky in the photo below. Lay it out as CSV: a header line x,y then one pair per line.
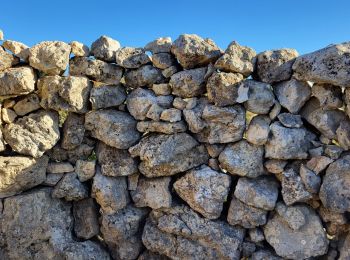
x,y
305,25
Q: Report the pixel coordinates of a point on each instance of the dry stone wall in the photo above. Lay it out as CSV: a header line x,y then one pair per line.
x,y
176,150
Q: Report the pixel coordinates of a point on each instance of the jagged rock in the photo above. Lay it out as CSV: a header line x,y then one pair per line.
x,y
343,134
261,192
260,97
161,89
318,163
276,65
290,120
292,94
33,134
223,88
139,102
114,128
161,127
107,96
104,48
333,151
214,150
288,143
275,166
328,65
193,51
157,161
171,115
334,191
180,233
8,115
258,130
19,49
59,167
131,58
168,72
122,232
96,70
85,218
85,169
243,159
344,250
111,193
17,81
115,162
27,105
328,95
188,83
263,254
163,60
70,188
204,190
256,235
73,131
244,215
146,75
309,241
50,57
311,181
237,58
159,45
64,93
79,49
153,193
7,60
293,215
19,173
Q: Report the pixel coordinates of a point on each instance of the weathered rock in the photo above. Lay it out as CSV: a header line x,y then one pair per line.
x,y
214,150
328,65
148,255
104,48
161,89
19,173
237,58
310,240
162,44
288,143
188,83
193,51
19,49
275,166
243,159
168,72
343,134
333,151
131,58
85,218
50,57
328,95
115,128
276,65
311,181
8,115
139,102
334,192
7,60
171,115
256,235
79,49
180,233
153,193
157,161
276,109
263,254
344,251
27,105
260,97
293,215
85,169
146,75
70,188
59,167
258,130
107,96
52,179
161,127
290,120
64,93
33,134
223,88
73,131
318,163
163,60
204,190
17,81
261,192
115,162
96,70
111,193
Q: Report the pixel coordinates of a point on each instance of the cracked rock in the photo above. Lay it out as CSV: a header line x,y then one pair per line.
x,y
104,48
146,75
131,58
70,188
107,96
258,130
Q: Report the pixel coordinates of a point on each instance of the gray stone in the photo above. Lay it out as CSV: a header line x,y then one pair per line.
x,y
140,101
27,105
260,97
131,58
275,166
59,167
214,150
107,96
311,181
258,130
168,72
318,163
290,120
19,49
161,127
333,151
293,215
256,235
104,48
85,169
70,188
171,115
73,131
275,111
163,60
328,95
79,49
7,60
85,218
162,44
52,179
343,134
146,75
161,89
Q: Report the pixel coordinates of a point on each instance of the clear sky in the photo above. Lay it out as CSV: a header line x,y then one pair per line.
x,y
305,25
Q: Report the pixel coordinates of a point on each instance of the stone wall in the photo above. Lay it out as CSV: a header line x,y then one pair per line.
x,y
176,150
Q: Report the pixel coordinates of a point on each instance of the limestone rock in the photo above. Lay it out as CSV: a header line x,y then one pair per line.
x,y
85,218
50,57
19,49
146,75
73,131
115,128
8,115
258,130
159,45
33,134
163,60
290,120
171,115
328,65
107,96
161,127
260,97
59,167
17,81
104,48
19,173
27,104
243,159
328,95
85,170
7,60
204,190
157,161
237,58
70,188
131,58
153,193
276,65
79,49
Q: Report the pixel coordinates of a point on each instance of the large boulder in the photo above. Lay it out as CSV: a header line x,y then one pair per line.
x,y
107,96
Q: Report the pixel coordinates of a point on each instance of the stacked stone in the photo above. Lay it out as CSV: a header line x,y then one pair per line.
x,y
176,150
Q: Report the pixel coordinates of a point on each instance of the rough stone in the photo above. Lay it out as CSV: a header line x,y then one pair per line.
x,y
59,167
293,215
328,95
343,134
258,130
290,120
161,89
79,49
107,96
70,188
17,81
85,169
104,48
161,127
171,115
256,235
163,60
73,131
159,45
146,75
275,166
27,105
8,115
131,58
85,218
311,181
319,163
7,60
19,49
260,97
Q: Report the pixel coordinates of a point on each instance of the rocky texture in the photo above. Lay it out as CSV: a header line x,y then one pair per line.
x,y
146,75
85,215
258,130
104,48
131,58
17,81
70,188
19,49
7,59
107,96
260,97
73,131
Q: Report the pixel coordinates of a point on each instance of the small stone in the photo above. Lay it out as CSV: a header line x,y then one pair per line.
x,y
243,159
27,105
159,45
59,167
328,95
223,88
19,49
293,215
260,97
146,75
343,134
276,65
188,83
161,127
168,72
275,111
319,163
204,190
104,48
161,89
256,235
258,130
311,181
292,94
85,169
153,193
107,96
179,103
124,132
85,215
192,51
214,150
79,49
7,60
52,179
70,188
163,60
133,181
73,131
261,192
275,166
171,115
290,120
50,57
8,115
333,151
131,58
328,65
8,103
153,113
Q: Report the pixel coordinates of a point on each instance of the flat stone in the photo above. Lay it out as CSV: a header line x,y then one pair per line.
x,y
161,127
19,49
328,95
73,131
85,170
159,45
146,75
311,181
260,97
290,120
258,130
204,190
70,188
17,81
79,49
104,48
131,58
107,96
59,167
27,104
50,57
85,215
